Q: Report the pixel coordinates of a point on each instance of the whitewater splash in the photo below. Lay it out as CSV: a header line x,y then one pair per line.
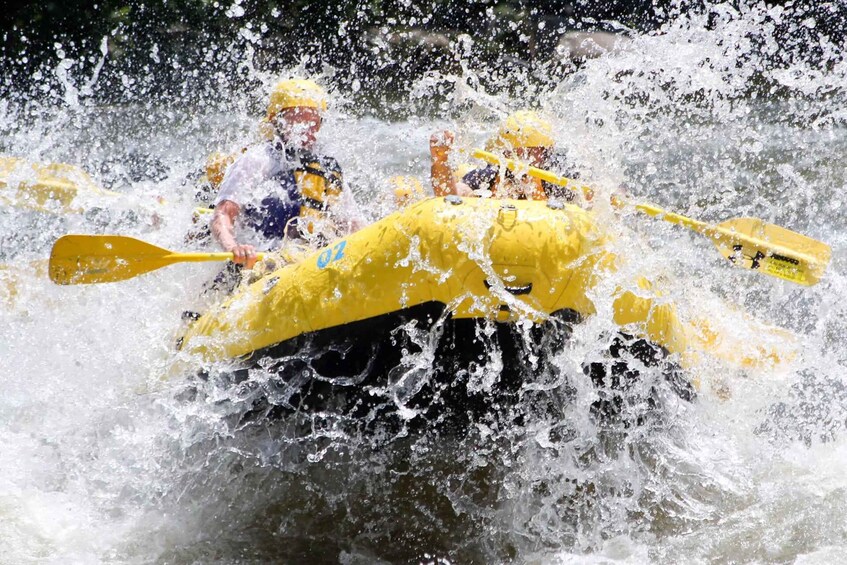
x,y
104,461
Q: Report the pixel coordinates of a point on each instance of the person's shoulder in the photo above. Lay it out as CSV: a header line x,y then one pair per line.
x,y
327,162
256,158
486,173
330,164
261,150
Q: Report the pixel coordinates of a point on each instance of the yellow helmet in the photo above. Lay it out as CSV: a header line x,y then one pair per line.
x,y
524,128
293,93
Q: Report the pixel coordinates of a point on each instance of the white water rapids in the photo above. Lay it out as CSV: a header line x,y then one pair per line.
x,y
101,461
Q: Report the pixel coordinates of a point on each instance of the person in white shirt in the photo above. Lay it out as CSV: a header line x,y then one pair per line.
x,y
283,188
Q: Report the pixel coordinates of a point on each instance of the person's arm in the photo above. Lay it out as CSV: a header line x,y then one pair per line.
x,y
223,230
441,174
240,177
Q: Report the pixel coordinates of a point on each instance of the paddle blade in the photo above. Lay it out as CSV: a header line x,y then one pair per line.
x,y
50,187
87,259
774,250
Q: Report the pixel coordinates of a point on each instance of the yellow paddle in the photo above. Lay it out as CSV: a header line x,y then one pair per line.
x,y
59,188
87,259
51,187
748,242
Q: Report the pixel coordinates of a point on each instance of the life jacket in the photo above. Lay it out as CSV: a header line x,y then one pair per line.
x,y
309,184
488,178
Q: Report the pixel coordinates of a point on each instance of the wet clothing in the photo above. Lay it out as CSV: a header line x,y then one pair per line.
x,y
488,178
285,192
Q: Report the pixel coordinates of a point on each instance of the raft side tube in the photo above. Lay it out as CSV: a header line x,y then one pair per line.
x,y
480,258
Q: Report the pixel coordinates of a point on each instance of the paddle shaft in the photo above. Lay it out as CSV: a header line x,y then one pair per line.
x,y
200,257
541,174
727,239
649,209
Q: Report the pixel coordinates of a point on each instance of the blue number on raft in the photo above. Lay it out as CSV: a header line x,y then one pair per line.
x,y
339,250
326,257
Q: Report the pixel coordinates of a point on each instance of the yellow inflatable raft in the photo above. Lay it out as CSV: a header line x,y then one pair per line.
x,y
450,306
454,303
59,189
52,187
499,260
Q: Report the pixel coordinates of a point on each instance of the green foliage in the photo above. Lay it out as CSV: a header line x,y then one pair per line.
x,y
377,48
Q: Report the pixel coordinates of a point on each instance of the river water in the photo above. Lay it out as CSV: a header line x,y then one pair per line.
x,y
107,459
